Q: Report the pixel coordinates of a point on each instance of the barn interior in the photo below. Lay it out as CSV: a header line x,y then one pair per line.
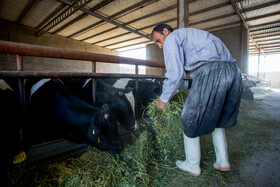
x,y
85,38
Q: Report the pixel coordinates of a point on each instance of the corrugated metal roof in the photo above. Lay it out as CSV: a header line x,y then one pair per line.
x,y
124,24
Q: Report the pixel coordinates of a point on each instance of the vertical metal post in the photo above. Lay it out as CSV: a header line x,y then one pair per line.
x,y
182,13
136,94
94,84
21,86
241,46
259,53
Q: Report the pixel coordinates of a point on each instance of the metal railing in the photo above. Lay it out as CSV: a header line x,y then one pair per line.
x,y
21,50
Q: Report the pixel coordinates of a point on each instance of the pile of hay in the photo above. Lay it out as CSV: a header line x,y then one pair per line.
x,y
148,161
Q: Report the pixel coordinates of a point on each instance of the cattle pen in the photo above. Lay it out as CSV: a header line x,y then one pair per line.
x,y
20,50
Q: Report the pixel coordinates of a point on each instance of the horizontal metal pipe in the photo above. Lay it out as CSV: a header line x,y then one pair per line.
x,y
14,48
31,74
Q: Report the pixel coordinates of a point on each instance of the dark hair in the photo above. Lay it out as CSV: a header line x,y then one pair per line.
x,y
159,28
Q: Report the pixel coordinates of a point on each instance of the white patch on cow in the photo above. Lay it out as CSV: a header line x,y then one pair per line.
x,y
86,83
4,85
121,83
131,100
36,86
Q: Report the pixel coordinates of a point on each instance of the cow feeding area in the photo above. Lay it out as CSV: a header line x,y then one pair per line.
x,y
150,159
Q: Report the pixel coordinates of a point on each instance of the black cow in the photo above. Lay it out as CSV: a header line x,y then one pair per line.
x,y
117,99
53,108
11,117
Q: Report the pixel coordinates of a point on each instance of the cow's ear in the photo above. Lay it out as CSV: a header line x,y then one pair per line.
x,y
106,116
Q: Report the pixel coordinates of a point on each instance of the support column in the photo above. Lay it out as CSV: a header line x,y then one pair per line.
x,y
182,13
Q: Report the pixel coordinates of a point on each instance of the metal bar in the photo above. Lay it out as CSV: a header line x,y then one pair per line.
x,y
266,36
121,41
109,18
48,74
131,45
52,52
84,15
123,34
182,13
241,46
21,87
136,92
266,28
263,25
135,20
257,34
50,16
263,16
212,19
63,16
260,6
266,44
223,25
93,84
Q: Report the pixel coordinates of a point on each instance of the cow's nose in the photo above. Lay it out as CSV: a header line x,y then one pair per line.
x,y
136,126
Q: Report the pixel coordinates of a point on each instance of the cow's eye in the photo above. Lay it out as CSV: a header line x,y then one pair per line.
x,y
106,116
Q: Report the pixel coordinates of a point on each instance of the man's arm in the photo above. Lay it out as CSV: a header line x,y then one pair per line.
x,y
174,63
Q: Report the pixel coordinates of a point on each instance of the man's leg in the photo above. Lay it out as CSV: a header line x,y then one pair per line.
x,y
220,146
193,156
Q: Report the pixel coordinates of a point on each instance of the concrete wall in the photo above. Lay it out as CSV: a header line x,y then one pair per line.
x,y
21,34
231,38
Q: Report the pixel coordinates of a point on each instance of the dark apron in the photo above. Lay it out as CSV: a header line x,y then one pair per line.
x,y
213,100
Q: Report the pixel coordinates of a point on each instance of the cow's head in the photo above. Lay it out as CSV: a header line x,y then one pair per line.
x,y
121,107
103,132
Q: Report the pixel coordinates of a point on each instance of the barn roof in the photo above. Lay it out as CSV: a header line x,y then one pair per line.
x,y
125,24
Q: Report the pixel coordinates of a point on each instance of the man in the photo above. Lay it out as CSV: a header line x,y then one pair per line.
x,y
214,97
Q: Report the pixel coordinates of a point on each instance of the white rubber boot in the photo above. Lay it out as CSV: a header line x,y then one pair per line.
x,y
193,156
220,146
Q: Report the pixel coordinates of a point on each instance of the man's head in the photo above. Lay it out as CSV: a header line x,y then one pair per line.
x,y
160,32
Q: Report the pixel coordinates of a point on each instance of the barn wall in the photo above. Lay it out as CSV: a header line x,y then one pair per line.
x,y
21,34
231,38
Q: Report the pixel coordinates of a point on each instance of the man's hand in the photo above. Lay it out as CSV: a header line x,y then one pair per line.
x,y
161,105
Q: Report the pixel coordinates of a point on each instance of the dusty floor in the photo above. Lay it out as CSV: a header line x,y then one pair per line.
x,y
262,167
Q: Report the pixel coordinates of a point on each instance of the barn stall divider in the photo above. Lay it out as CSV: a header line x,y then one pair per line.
x,y
58,147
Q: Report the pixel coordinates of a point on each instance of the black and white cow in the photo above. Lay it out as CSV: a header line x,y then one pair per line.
x,y
53,108
148,89
119,100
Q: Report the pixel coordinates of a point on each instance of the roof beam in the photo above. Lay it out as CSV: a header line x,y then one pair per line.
x,y
270,32
265,28
90,27
82,16
74,7
131,45
109,20
25,10
260,6
212,19
152,25
236,9
135,20
263,16
263,25
266,36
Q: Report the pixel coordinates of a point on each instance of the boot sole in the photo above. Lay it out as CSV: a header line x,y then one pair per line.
x,y
195,175
223,169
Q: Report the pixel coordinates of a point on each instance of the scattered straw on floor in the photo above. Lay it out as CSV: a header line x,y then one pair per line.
x,y
150,159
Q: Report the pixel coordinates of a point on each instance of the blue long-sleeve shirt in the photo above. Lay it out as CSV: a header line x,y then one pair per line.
x,y
186,49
